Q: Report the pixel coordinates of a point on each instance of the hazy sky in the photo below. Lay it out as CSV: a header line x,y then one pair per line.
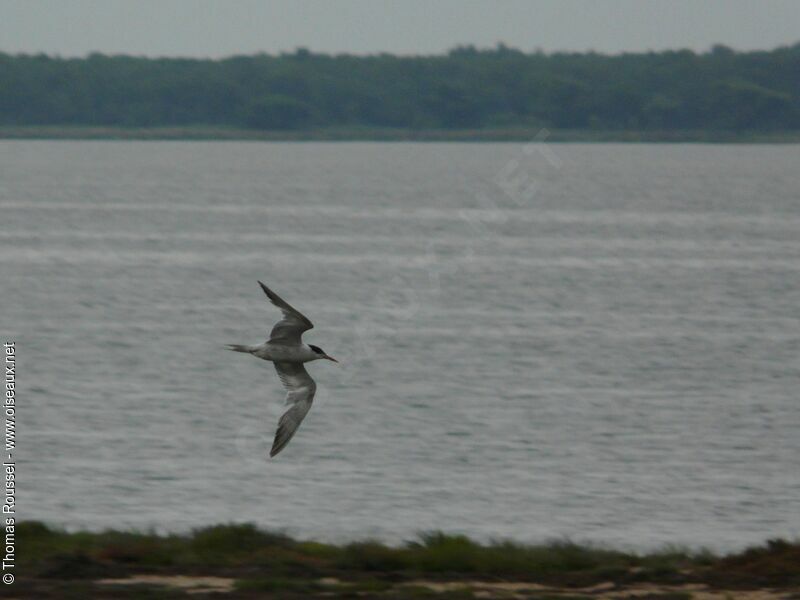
x,y
224,27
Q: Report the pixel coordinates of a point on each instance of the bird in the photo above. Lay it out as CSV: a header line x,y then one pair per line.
x,y
286,350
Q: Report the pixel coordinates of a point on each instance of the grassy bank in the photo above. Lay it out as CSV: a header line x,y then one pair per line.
x,y
244,561
377,134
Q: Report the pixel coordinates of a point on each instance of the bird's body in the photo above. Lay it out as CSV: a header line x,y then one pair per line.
x,y
278,352
288,352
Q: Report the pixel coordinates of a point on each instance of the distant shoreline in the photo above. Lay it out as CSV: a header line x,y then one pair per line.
x,y
202,133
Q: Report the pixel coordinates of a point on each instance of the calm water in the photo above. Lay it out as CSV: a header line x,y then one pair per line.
x,y
593,341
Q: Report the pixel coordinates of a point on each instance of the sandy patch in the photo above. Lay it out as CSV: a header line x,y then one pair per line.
x,y
601,591
192,585
486,589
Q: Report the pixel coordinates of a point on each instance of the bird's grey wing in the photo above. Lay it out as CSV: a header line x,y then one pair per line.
x,y
300,390
291,327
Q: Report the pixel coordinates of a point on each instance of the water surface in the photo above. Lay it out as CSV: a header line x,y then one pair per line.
x,y
589,341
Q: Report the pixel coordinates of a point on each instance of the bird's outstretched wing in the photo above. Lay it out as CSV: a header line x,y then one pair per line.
x,y
300,390
289,329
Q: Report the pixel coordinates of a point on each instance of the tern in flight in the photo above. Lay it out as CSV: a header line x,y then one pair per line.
x,y
288,352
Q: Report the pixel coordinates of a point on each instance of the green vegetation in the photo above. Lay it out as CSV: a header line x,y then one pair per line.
x,y
468,93
273,557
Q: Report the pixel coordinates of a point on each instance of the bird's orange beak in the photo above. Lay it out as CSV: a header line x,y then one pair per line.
x,y
331,358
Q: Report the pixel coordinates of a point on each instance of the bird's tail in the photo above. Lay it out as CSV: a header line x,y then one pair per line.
x,y
240,348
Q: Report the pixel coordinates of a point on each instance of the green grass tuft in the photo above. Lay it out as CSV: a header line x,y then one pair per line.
x,y
233,542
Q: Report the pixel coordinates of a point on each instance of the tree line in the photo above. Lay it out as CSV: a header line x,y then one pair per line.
x,y
467,88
